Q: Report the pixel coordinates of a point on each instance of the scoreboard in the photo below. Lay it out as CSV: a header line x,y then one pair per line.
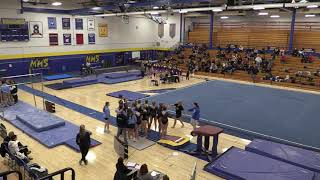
x,y
14,30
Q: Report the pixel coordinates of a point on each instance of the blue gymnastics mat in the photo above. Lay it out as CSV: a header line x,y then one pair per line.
x,y
253,111
129,95
73,144
122,74
237,164
292,155
49,138
57,76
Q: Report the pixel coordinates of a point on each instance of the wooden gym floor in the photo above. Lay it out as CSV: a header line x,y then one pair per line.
x,y
102,159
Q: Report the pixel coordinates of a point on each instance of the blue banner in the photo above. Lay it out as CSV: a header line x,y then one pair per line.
x,y
52,23
79,24
92,38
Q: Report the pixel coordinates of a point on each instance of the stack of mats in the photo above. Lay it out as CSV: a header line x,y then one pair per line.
x,y
267,160
46,128
56,77
107,78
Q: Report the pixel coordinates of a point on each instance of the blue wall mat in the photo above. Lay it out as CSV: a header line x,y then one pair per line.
x,y
279,113
62,64
58,76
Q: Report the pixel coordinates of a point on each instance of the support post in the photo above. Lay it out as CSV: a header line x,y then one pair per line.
x,y
211,30
293,22
181,27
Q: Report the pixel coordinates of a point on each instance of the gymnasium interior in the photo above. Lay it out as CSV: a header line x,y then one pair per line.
x,y
159,89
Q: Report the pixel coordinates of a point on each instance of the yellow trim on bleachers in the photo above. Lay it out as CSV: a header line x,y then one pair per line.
x,y
47,54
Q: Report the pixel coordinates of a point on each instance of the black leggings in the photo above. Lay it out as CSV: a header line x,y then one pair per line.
x,y
84,151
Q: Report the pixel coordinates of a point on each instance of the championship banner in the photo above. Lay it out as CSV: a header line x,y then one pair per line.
x,y
36,29
172,30
79,39
91,24
79,24
52,23
92,38
65,23
160,30
67,39
103,30
53,39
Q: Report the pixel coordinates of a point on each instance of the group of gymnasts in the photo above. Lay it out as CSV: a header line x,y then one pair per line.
x,y
135,119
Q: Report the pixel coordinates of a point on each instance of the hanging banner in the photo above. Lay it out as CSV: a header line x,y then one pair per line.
x,y
65,23
53,39
92,38
91,24
160,30
67,39
52,23
103,30
172,30
79,39
79,24
36,29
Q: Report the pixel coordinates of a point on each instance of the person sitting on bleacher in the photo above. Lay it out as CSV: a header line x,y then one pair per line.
x,y
122,171
19,151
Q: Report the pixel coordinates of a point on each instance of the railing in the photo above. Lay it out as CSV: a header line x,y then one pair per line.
x,y
5,174
61,173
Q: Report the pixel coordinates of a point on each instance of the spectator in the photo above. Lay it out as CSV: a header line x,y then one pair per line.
x,y
18,151
143,173
122,171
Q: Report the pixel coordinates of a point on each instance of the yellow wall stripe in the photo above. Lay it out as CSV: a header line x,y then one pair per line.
x,y
19,56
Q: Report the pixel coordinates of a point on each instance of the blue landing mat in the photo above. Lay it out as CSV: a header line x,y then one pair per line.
x,y
58,76
237,164
73,145
49,138
40,120
158,90
245,109
129,95
292,155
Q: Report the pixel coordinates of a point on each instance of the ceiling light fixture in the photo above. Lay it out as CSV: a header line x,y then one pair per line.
x,y
155,7
263,13
224,17
312,6
258,8
182,11
274,16
154,13
217,10
309,15
96,8
56,4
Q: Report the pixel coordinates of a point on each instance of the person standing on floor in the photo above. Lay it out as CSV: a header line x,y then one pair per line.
x,y
106,116
179,109
122,124
84,141
195,115
14,91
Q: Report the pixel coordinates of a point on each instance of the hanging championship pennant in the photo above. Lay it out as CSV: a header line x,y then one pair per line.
x,y
160,30
103,30
79,24
172,30
67,39
52,23
65,23
91,24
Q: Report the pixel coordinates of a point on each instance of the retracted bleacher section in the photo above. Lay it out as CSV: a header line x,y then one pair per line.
x,y
266,160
